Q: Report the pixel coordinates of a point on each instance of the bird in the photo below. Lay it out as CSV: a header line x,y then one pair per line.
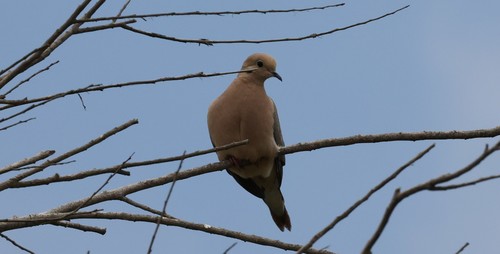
x,y
245,111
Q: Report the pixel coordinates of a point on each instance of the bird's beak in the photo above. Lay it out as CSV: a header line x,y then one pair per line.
x,y
276,75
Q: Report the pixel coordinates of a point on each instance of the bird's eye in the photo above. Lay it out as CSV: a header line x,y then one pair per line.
x,y
260,63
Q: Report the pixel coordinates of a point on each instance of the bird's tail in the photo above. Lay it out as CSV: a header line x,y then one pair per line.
x,y
282,221
274,200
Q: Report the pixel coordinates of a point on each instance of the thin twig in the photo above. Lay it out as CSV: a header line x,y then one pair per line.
x,y
81,101
150,248
229,248
103,27
55,164
121,11
461,185
208,42
379,186
16,244
214,13
98,189
463,248
17,62
57,178
81,227
32,106
29,78
19,122
27,161
145,207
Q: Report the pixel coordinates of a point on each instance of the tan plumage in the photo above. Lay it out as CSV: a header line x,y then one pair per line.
x,y
244,111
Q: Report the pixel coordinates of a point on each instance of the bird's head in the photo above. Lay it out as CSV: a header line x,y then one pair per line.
x,y
260,66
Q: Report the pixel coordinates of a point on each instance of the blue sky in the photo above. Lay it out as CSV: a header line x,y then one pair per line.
x,y
433,66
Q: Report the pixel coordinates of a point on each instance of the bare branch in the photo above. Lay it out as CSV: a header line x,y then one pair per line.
x,y
150,248
81,101
15,124
103,27
93,172
145,207
379,186
50,44
12,181
463,248
118,193
197,227
212,42
400,136
32,106
400,196
56,178
55,164
121,11
17,62
98,189
27,161
461,185
215,13
16,244
28,79
77,226
99,87
230,247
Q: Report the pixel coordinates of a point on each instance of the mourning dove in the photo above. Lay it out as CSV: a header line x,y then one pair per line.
x,y
244,111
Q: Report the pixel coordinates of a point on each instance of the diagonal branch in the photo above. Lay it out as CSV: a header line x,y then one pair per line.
x,y
93,172
429,185
55,40
208,42
39,156
12,181
28,79
150,248
17,123
379,186
16,244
